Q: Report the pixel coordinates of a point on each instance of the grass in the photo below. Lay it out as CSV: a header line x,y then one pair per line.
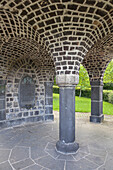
x,y
83,105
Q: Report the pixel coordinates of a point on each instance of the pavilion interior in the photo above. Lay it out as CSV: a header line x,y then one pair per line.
x,y
41,39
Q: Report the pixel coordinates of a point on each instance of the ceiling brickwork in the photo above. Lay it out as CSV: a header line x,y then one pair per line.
x,y
63,30
98,58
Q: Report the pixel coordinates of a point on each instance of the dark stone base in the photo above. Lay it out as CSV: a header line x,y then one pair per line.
x,y
67,148
21,121
97,119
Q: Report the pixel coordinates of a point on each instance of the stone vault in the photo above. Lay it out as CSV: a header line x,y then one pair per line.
x,y
43,38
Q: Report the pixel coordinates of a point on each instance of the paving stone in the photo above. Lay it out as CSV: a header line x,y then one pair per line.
x,y
34,167
18,154
91,154
66,157
108,163
98,152
99,160
84,149
37,152
70,165
49,162
79,155
4,155
23,164
50,145
5,166
52,152
82,164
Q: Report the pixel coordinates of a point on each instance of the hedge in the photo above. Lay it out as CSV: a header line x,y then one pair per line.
x,y
107,94
108,86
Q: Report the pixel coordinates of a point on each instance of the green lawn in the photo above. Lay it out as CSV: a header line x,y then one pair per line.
x,y
83,105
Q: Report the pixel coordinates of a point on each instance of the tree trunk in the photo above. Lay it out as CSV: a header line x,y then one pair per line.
x,y
80,93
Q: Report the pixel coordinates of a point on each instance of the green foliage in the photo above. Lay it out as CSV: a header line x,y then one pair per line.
x,y
108,75
56,89
55,81
110,97
84,82
105,95
108,86
86,93
83,105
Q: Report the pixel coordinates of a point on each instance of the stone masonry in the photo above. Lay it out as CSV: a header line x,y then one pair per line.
x,y
44,38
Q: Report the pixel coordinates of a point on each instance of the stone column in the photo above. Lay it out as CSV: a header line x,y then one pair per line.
x,y
66,143
2,100
96,102
49,100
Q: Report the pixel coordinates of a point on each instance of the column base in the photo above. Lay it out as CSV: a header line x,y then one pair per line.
x,y
97,119
67,148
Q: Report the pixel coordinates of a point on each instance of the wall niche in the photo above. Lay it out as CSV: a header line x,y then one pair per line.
x,y
27,92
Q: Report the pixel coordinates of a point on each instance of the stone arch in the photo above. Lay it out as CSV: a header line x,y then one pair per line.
x,y
18,39
68,34
97,59
40,75
69,30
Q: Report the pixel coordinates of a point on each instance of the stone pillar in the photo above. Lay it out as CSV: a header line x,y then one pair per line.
x,y
96,102
66,143
2,100
49,100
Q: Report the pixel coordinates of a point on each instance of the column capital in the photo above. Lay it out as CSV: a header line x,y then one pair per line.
x,y
67,80
96,83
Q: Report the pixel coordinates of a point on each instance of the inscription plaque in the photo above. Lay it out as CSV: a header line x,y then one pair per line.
x,y
27,92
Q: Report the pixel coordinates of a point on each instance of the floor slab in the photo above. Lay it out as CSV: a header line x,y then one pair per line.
x,y
33,146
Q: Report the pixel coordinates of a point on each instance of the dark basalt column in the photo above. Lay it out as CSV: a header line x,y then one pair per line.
x,y
96,102
66,143
2,100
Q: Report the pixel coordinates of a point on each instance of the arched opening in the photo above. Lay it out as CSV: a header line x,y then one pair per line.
x,y
108,76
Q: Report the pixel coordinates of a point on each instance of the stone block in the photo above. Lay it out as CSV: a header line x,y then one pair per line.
x,y
49,110
2,115
97,93
2,104
96,108
49,117
49,101
97,119
48,89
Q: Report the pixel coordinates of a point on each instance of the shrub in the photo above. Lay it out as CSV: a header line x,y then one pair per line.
x,y
108,86
56,89
84,93
110,97
87,93
105,95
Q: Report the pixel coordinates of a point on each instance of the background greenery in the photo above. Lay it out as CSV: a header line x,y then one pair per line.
x,y
83,105
83,89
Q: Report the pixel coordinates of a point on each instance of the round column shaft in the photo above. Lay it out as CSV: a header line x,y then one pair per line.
x,y
66,143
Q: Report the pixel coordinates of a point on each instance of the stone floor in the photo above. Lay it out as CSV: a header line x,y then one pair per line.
x,y
32,147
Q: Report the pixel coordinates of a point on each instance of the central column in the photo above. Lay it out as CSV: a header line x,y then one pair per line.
x,y
66,143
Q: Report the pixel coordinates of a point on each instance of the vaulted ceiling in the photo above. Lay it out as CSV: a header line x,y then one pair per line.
x,y
60,30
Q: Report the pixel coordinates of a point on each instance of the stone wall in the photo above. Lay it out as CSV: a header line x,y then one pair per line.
x,y
39,76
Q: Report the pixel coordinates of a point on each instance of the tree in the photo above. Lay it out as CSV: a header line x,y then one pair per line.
x,y
83,79
108,75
